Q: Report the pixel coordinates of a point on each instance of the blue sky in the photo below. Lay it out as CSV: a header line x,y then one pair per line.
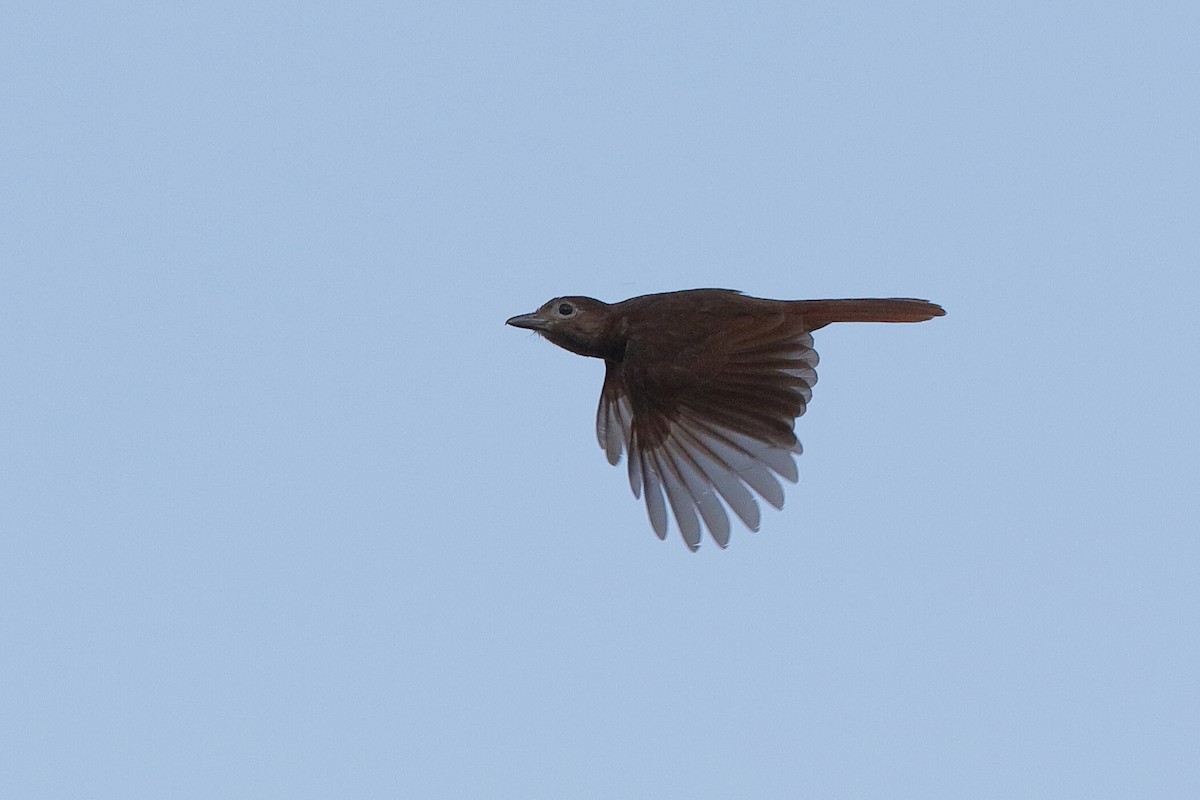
x,y
286,511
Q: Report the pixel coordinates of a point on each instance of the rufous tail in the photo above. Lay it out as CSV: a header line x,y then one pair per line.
x,y
819,313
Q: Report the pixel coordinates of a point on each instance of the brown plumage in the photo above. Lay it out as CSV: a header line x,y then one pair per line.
x,y
703,388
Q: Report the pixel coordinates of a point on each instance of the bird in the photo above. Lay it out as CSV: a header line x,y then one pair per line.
x,y
702,388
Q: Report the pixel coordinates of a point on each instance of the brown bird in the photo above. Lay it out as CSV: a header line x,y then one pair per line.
x,y
703,388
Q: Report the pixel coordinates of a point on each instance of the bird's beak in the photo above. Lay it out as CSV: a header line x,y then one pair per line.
x,y
533,322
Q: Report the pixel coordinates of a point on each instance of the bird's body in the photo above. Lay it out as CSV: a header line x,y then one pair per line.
x,y
702,388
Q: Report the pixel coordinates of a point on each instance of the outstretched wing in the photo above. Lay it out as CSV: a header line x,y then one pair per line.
x,y
710,424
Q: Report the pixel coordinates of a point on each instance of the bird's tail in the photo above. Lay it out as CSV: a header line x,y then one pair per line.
x,y
819,313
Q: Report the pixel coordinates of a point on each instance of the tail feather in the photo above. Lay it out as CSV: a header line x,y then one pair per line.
x,y
819,313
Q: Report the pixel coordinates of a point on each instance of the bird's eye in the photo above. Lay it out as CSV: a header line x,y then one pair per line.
x,y
565,309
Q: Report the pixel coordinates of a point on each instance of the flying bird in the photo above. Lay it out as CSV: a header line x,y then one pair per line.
x,y
702,389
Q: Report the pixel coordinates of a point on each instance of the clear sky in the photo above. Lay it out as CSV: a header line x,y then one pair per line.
x,y
286,511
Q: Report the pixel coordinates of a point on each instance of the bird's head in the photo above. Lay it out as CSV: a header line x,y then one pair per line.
x,y
582,325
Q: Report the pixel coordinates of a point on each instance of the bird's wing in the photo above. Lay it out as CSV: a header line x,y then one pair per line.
x,y
710,422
